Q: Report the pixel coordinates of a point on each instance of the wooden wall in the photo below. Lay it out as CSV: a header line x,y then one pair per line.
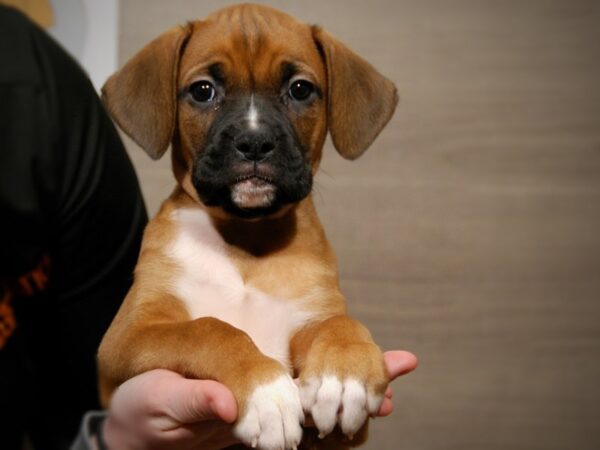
x,y
470,232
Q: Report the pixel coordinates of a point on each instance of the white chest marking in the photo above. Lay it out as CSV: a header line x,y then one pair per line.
x,y
210,286
252,115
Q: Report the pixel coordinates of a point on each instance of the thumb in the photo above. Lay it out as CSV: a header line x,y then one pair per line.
x,y
193,401
399,362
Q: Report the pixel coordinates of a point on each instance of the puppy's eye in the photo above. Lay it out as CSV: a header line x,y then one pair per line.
x,y
203,91
300,90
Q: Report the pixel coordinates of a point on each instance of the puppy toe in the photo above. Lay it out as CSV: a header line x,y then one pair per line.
x,y
354,407
247,429
325,410
374,402
292,417
308,392
273,416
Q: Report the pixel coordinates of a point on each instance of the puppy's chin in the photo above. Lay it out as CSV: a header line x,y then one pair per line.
x,y
253,193
250,197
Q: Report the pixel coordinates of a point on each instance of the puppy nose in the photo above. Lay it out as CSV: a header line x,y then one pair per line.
x,y
255,146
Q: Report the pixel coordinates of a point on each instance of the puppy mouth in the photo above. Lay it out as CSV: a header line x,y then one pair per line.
x,y
253,191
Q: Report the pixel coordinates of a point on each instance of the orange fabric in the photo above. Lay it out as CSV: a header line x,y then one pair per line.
x,y
28,284
7,318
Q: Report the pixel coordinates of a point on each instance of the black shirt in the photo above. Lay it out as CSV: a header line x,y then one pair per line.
x,y
68,194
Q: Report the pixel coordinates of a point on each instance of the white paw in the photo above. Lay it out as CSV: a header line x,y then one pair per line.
x,y
272,417
331,401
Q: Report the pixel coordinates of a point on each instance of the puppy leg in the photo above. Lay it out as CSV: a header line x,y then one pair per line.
x,y
342,375
270,412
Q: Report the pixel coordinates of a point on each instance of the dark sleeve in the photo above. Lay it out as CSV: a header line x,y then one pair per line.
x,y
68,190
27,181
90,432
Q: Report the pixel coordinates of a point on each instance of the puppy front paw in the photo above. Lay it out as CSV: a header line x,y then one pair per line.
x,y
272,416
343,388
331,400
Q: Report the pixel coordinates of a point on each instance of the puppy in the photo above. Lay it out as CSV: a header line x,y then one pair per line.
x,y
236,281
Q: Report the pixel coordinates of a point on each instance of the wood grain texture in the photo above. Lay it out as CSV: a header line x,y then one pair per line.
x,y
470,233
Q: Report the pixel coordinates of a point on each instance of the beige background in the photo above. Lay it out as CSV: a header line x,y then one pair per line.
x,y
470,232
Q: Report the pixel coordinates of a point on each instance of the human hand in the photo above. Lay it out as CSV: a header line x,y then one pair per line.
x,y
162,409
397,362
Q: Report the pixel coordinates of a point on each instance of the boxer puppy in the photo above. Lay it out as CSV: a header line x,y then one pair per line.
x,y
236,281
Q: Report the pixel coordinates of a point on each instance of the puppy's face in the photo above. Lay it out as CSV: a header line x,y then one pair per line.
x,y
246,98
251,111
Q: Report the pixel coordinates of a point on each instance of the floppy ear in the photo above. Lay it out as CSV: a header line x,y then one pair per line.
x,y
142,96
361,100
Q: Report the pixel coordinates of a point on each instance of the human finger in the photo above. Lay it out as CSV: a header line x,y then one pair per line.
x,y
399,362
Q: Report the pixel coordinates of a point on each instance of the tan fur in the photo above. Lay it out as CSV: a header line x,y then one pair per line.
x,y
146,91
286,256
361,101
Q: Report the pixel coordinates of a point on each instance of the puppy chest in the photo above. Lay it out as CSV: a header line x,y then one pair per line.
x,y
209,285
268,321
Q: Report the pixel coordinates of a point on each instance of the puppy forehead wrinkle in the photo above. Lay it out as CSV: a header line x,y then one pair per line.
x,y
251,19
252,46
212,66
